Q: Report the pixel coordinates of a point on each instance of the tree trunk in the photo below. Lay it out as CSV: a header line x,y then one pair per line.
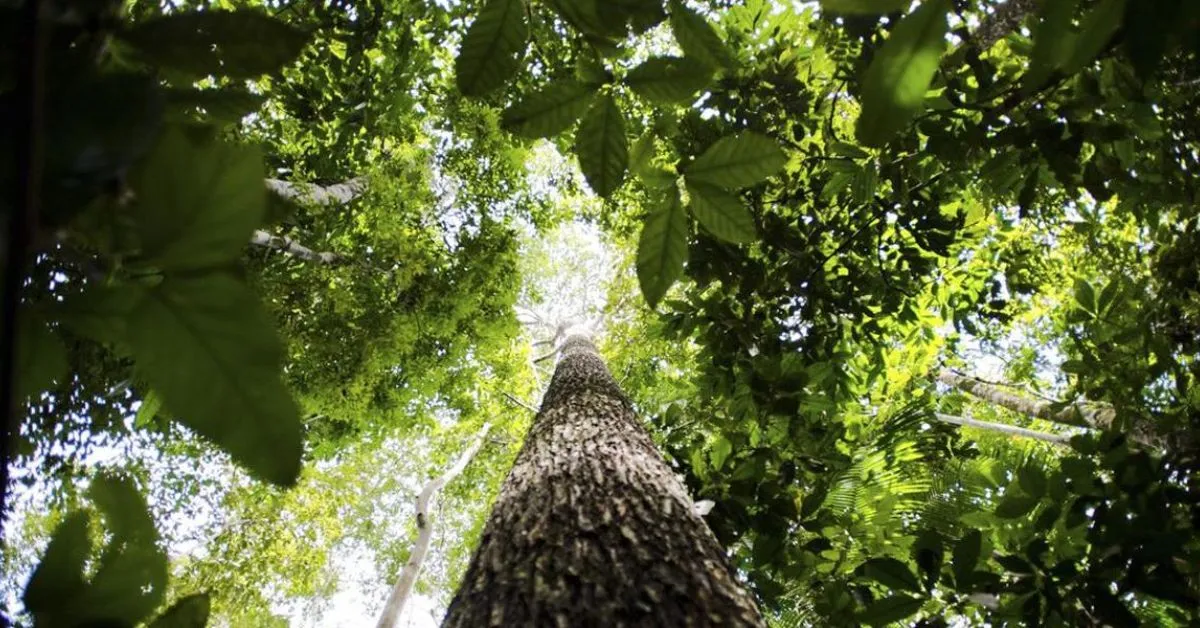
x,y
592,528
408,575
1011,430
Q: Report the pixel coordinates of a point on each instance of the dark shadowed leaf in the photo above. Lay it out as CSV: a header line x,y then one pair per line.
x,y
721,212
224,105
698,39
601,146
189,612
550,110
1096,31
59,575
890,609
239,44
891,573
966,555
662,248
893,90
491,50
1052,40
737,161
198,202
41,356
206,345
667,80
1014,506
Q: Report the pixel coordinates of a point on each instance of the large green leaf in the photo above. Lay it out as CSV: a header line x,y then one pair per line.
x,y
966,556
662,248
721,212
697,37
198,202
491,50
41,355
737,161
641,163
1015,506
864,7
891,573
206,345
890,609
59,575
1098,28
550,110
189,612
239,44
1052,42
893,89
602,147
668,80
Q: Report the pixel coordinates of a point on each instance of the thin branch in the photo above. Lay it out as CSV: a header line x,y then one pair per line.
x,y
287,245
1012,430
519,402
312,194
408,575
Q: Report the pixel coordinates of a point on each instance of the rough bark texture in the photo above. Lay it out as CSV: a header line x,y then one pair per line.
x,y
1012,430
293,248
592,528
408,575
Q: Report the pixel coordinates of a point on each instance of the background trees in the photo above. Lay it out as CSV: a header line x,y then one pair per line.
x,y
826,207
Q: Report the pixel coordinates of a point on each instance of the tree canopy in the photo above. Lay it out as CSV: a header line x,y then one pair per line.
x,y
908,291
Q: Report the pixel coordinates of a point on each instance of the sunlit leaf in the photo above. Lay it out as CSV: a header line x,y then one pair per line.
x,y
737,161
602,147
668,79
189,612
662,248
893,89
721,212
549,111
697,37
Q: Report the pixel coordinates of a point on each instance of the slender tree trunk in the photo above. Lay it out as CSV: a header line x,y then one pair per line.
x,y
1012,430
312,194
408,575
287,245
592,528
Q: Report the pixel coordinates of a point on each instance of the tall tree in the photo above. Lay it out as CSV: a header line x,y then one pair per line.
x,y
593,527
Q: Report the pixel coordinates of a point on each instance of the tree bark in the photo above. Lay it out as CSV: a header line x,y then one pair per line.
x,y
1012,430
1096,418
287,245
592,528
408,575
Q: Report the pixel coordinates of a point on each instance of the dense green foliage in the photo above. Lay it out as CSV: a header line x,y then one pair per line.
x,y
813,212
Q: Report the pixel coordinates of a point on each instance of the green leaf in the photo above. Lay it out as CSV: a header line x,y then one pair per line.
x,y
150,407
189,612
491,50
1014,506
549,111
198,203
928,553
662,249
1085,295
1052,42
206,345
101,312
41,356
697,37
722,213
893,89
601,146
966,556
132,576
668,80
1096,31
226,105
721,448
737,161
864,7
1032,480
890,609
891,573
59,575
864,184
238,44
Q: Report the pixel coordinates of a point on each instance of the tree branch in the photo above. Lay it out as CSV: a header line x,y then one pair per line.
x,y
287,245
408,575
1012,430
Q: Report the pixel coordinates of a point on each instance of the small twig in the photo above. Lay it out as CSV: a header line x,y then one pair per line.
x,y
517,401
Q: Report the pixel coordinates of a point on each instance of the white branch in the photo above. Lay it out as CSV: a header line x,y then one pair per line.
x,y
323,195
408,575
1012,430
293,248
